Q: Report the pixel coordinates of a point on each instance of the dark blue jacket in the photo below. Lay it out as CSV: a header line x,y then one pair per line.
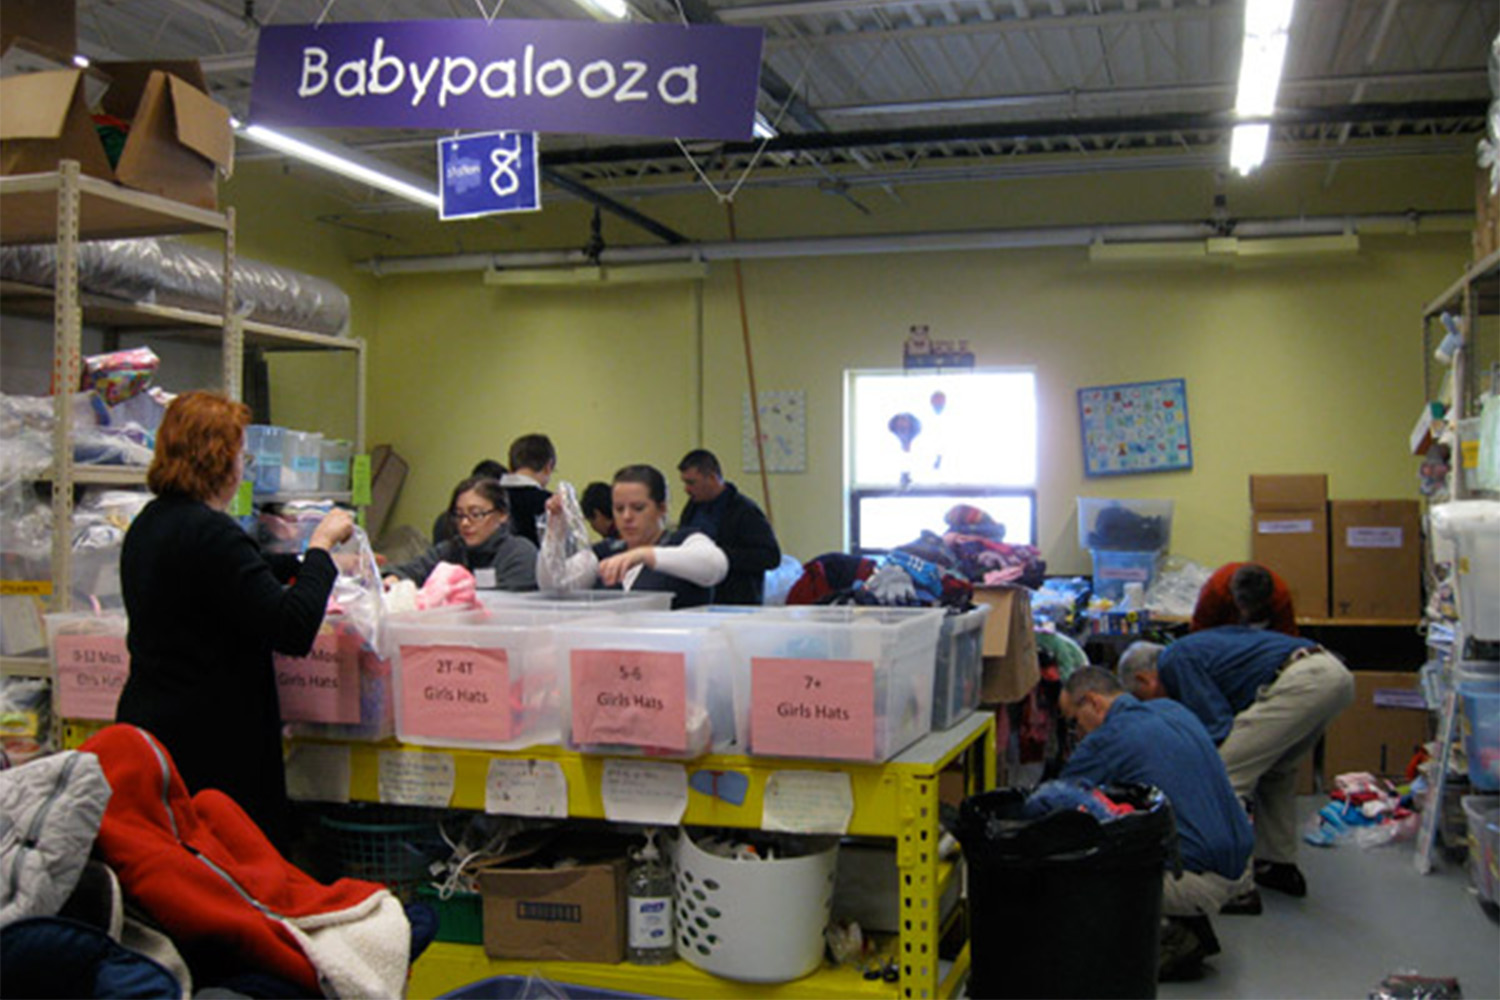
x,y
1162,744
739,527
1218,672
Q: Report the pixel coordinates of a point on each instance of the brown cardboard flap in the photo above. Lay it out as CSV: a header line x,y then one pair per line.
x,y
202,124
129,80
43,119
154,161
1010,667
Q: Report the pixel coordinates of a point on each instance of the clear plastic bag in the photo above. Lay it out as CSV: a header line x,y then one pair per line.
x,y
566,560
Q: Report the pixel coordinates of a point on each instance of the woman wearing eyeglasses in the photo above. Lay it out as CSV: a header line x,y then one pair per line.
x,y
647,555
483,543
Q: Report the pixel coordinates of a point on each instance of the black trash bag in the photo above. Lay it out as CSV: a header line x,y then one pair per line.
x,y
1063,905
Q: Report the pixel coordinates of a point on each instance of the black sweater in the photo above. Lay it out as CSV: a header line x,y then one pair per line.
x,y
746,537
207,610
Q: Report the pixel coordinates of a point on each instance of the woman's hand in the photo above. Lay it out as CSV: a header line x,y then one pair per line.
x,y
391,580
612,571
336,527
554,510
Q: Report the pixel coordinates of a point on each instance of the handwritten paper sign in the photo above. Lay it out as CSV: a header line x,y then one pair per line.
x,y
455,692
322,686
812,708
630,696
644,791
526,788
808,802
91,673
411,778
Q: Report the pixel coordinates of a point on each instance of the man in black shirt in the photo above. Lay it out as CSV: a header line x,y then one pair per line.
x,y
734,521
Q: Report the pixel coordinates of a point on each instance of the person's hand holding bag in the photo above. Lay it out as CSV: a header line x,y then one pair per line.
x,y
336,527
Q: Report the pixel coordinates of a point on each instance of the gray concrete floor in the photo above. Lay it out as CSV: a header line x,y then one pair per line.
x,y
1366,915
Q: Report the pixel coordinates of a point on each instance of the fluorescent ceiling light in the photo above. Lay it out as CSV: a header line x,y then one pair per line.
x,y
1247,146
339,163
763,127
616,9
81,61
1260,75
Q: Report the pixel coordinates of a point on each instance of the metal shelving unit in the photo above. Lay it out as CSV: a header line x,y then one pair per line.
x,y
66,207
897,800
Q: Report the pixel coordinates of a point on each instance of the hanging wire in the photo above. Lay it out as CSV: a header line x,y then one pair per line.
x,y
323,16
489,19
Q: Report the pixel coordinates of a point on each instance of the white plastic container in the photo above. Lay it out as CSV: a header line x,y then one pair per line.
x,y
301,461
485,679
335,457
838,683
1127,525
90,662
959,667
662,684
1474,528
757,921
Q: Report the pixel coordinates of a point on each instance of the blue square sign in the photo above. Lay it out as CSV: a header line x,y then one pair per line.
x,y
489,173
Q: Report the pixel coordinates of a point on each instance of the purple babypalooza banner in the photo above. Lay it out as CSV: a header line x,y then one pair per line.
x,y
512,74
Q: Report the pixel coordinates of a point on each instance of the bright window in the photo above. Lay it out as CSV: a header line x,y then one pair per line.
x,y
917,443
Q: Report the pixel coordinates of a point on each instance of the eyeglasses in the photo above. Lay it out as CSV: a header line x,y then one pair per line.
x,y
461,516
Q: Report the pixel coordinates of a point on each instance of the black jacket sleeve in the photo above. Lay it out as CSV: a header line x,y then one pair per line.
x,y
289,616
747,539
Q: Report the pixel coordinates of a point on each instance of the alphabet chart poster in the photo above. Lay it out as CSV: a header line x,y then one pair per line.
x,y
1136,427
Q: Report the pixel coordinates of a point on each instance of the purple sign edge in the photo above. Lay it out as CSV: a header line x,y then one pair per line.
x,y
627,67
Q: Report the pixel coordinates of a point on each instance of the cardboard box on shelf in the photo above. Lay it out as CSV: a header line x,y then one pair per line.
x,y
555,914
179,141
1381,730
1289,534
1376,559
1009,646
387,473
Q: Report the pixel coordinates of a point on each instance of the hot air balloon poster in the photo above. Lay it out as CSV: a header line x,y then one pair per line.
x,y
783,431
1134,428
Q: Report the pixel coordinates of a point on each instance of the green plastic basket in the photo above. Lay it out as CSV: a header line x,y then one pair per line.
x,y
392,845
460,916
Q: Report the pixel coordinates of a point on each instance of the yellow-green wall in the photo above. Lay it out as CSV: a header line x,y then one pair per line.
x,y
1292,364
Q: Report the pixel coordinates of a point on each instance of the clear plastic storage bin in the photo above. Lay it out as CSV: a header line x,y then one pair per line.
x,y
301,461
959,667
1483,815
265,443
1124,525
1479,689
341,692
1113,570
485,678
90,662
336,457
838,683
655,683
590,601
1474,527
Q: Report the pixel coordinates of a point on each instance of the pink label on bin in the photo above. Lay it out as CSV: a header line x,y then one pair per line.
x,y
322,686
455,692
91,672
630,696
812,708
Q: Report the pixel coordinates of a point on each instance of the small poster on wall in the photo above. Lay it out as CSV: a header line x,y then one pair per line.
x,y
1136,427
783,432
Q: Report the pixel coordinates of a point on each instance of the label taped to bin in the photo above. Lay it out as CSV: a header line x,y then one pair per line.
x,y
812,708
322,686
455,692
91,672
630,696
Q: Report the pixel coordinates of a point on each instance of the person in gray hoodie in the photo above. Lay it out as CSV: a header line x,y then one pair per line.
x,y
484,545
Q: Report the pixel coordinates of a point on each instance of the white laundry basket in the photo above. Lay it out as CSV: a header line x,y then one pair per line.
x,y
757,921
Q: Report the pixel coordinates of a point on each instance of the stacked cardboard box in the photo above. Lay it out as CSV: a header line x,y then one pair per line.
x,y
1377,559
1289,535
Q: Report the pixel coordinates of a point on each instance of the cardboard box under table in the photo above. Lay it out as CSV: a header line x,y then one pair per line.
x,y
1289,535
1381,730
1377,559
574,914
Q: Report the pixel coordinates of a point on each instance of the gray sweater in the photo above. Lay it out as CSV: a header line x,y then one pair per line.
x,y
513,559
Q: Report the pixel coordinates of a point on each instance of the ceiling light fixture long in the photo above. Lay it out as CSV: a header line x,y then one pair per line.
x,y
339,163
1267,28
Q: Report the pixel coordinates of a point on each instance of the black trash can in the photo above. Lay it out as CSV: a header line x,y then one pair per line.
x,y
1063,905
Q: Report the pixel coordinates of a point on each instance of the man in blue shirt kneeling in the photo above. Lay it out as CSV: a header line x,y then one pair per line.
x,y
1162,744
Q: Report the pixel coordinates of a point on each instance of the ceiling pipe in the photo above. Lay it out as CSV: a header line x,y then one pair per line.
x,y
984,239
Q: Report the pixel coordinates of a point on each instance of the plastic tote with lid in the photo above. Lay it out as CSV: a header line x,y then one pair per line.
x,y
1474,527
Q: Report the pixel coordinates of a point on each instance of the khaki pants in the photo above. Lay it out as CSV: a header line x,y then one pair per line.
x,y
1272,736
1202,893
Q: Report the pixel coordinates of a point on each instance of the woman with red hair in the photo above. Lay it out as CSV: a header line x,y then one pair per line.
x,y
208,609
